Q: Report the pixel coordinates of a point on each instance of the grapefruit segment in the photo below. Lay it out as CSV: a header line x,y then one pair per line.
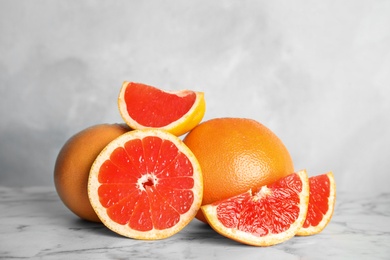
x,y
321,204
146,184
266,217
143,107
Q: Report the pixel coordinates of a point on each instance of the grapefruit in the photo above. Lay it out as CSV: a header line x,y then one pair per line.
x,y
321,204
265,217
74,161
146,184
144,107
236,155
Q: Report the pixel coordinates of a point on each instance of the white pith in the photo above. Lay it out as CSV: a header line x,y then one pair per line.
x,y
262,193
144,179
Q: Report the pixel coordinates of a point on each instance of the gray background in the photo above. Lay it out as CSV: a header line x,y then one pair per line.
x,y
315,72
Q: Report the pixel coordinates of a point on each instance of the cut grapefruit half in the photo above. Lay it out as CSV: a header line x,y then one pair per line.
x,y
321,204
146,184
144,107
269,216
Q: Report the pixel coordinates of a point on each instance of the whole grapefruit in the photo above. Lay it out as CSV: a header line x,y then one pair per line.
x,y
237,154
74,161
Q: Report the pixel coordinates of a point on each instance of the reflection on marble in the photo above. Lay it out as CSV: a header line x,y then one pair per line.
x,y
35,224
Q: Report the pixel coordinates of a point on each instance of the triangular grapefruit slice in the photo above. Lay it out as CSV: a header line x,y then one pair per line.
x,y
321,204
143,107
267,217
146,184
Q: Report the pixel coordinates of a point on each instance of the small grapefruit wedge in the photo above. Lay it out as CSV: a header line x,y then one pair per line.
x,y
267,217
146,184
321,204
144,107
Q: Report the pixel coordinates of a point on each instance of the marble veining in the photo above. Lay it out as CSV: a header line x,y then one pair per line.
x,y
34,224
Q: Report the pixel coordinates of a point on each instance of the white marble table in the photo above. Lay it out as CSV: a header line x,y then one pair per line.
x,y
34,224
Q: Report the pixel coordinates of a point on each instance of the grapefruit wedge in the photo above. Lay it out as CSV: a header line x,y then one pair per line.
x,y
266,217
144,107
321,204
146,184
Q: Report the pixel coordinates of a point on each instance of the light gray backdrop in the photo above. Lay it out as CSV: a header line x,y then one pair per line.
x,y
316,72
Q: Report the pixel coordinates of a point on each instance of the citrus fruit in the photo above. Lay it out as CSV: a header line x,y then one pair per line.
x,y
74,161
269,216
236,155
321,204
143,107
146,184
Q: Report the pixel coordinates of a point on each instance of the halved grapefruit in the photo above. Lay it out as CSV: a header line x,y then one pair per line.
x,y
321,204
146,184
144,107
266,217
